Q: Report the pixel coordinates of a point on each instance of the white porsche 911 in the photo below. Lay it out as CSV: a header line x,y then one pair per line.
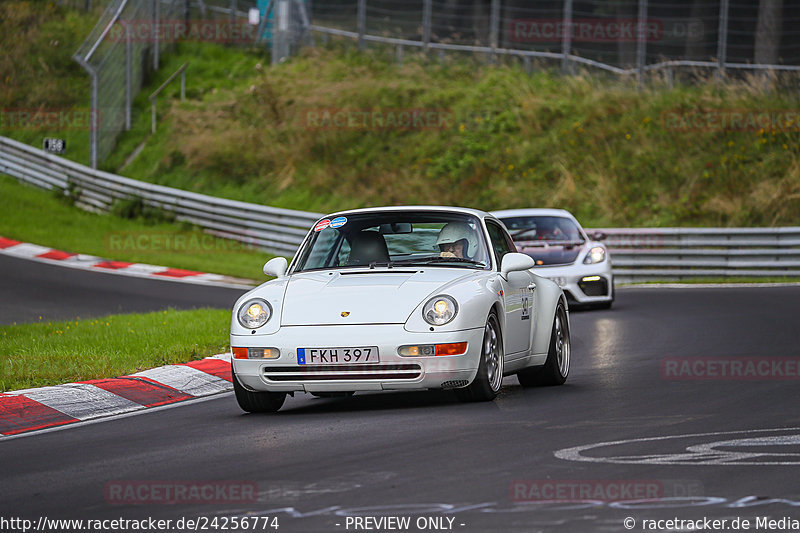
x,y
399,298
564,252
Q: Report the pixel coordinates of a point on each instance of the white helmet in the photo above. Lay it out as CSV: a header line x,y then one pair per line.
x,y
457,231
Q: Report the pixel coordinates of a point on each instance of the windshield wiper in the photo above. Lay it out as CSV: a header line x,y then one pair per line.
x,y
566,244
428,260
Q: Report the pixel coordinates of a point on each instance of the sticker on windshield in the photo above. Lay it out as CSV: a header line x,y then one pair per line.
x,y
338,222
322,224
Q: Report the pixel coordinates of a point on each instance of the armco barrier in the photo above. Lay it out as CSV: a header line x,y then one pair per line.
x,y
638,254
276,230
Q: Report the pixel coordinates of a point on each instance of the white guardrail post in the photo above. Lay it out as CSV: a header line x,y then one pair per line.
x,y
637,254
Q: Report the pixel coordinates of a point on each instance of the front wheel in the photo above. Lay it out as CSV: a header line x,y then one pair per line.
x,y
489,378
556,367
256,402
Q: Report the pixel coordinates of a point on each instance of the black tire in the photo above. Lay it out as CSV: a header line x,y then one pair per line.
x,y
489,378
556,367
345,394
256,402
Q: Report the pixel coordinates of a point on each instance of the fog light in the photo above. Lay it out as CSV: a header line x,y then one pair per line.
x,y
591,278
417,350
255,353
428,350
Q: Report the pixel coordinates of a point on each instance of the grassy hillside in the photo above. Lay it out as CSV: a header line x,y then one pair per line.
x,y
38,74
603,149
597,146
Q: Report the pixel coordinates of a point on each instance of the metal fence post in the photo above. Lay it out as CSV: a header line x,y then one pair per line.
x,y
494,32
128,74
641,42
280,31
157,30
566,40
233,7
722,38
427,11
362,24
95,120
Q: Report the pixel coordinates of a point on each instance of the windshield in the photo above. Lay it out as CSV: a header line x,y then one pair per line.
x,y
544,229
394,238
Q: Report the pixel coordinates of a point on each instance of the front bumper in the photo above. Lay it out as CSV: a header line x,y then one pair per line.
x,y
570,279
393,372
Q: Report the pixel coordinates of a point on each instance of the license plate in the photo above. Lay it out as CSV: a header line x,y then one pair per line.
x,y
334,356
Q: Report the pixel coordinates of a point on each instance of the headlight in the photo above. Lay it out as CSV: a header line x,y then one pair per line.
x,y
254,313
595,255
439,310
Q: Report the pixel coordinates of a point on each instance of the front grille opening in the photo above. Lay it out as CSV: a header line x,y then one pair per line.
x,y
594,288
455,384
401,371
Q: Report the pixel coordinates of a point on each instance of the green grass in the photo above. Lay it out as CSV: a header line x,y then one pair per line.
x,y
37,72
40,217
595,146
36,355
589,143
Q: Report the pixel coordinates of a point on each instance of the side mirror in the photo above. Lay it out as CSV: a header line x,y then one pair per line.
x,y
276,267
597,236
513,262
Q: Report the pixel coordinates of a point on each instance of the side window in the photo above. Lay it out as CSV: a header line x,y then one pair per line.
x,y
344,253
500,242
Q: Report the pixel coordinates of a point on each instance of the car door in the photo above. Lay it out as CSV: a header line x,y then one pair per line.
x,y
517,295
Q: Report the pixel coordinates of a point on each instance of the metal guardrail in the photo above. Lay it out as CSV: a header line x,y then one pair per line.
x,y
642,254
276,230
637,254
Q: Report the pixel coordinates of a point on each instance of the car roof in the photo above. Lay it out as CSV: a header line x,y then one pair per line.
x,y
533,212
424,208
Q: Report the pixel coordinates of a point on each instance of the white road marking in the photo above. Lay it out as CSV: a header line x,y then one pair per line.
x,y
26,250
80,400
187,379
142,411
701,453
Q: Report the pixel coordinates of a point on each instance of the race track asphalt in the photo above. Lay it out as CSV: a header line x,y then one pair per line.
x,y
488,466
30,289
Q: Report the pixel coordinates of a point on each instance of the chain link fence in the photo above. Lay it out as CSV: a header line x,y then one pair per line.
x,y
130,36
621,36
118,54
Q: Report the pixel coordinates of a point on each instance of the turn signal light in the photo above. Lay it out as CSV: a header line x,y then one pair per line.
x,y
454,348
255,353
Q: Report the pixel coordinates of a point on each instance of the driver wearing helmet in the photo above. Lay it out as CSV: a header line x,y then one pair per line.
x,y
457,239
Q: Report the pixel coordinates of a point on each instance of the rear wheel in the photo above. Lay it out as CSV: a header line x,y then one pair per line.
x,y
556,367
489,378
256,402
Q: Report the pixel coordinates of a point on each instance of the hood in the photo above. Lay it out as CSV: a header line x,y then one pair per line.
x,y
371,296
551,254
